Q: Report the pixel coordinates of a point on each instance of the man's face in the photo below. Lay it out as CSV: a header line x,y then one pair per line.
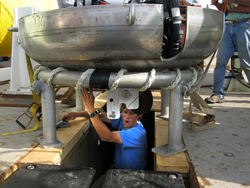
x,y
129,118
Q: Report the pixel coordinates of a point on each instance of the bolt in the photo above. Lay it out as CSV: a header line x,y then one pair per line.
x,y
31,167
172,176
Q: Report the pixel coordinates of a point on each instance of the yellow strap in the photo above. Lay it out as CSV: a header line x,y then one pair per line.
x,y
200,104
197,127
35,106
57,89
199,122
33,110
30,71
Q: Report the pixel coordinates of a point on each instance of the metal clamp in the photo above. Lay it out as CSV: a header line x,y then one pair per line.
x,y
37,86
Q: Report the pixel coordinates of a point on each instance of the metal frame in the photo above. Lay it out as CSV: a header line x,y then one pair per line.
x,y
172,105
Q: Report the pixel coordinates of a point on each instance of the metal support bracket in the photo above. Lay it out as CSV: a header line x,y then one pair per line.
x,y
48,140
175,122
128,96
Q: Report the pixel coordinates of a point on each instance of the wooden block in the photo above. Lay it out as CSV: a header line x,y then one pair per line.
x,y
177,162
67,136
156,101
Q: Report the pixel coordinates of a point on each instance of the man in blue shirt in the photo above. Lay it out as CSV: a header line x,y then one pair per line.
x,y
131,153
130,139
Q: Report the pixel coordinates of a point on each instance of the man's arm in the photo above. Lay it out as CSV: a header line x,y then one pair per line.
x,y
102,130
72,115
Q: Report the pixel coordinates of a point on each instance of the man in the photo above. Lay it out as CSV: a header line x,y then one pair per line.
x,y
130,139
235,38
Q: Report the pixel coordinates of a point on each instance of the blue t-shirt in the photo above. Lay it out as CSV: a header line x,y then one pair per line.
x,y
132,154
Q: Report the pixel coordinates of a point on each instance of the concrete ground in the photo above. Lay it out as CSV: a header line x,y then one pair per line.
x,y
221,156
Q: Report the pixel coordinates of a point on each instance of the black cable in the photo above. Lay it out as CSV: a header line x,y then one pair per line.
x,y
232,68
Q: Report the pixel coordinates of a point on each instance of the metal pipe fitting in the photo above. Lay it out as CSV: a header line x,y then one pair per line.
x,y
128,80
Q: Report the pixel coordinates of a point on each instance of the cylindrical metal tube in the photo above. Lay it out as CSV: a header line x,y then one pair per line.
x,y
128,80
48,111
79,104
165,96
175,117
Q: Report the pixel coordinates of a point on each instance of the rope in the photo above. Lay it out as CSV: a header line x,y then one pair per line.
x,y
83,77
53,73
37,69
149,81
177,80
117,79
200,70
193,81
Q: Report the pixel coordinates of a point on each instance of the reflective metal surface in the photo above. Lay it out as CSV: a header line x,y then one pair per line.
x,y
77,37
116,36
204,30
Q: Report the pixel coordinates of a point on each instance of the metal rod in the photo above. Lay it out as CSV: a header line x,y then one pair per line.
x,y
165,98
49,118
175,117
79,104
128,80
175,122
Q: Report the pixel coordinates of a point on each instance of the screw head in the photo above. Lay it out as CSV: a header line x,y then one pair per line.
x,y
31,167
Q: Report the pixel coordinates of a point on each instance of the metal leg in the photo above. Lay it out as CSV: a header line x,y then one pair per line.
x,y
49,118
165,95
79,104
175,122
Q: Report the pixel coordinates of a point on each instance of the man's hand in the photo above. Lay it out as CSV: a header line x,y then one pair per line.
x,y
88,100
69,116
104,118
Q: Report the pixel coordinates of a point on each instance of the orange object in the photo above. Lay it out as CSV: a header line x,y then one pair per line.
x,y
103,3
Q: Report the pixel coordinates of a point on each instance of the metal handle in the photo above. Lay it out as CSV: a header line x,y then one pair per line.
x,y
13,29
131,15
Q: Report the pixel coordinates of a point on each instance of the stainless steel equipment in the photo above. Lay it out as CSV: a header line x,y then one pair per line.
x,y
116,36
